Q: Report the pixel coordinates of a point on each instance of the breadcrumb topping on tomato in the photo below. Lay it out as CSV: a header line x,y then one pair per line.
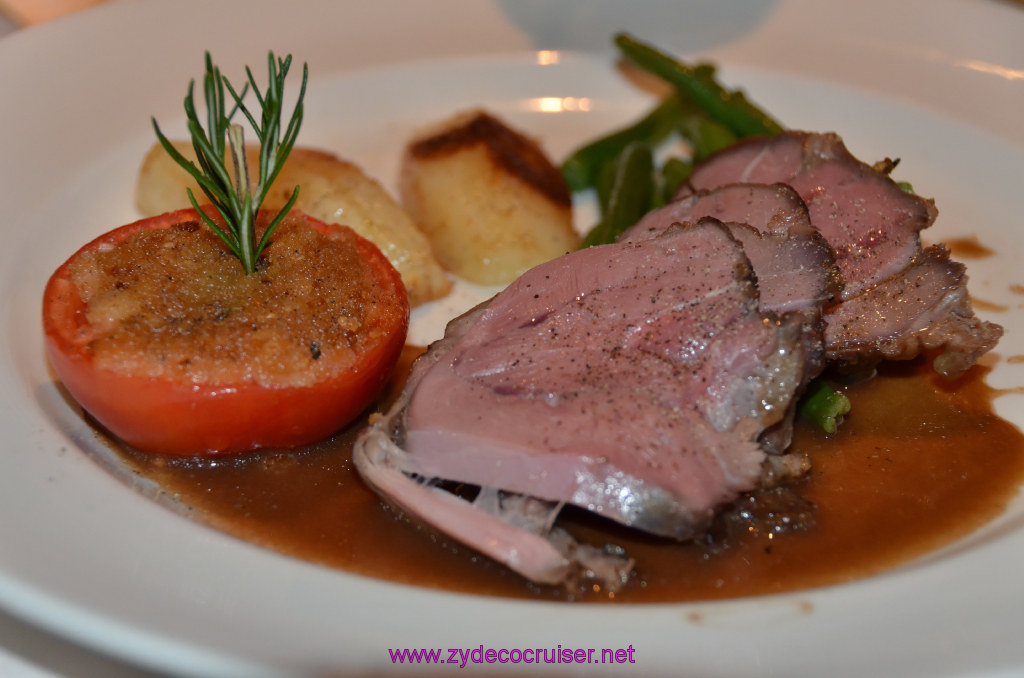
x,y
176,302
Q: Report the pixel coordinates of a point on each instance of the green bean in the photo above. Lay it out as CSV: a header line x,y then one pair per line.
x,y
620,167
581,169
729,107
604,182
674,173
705,134
824,406
630,197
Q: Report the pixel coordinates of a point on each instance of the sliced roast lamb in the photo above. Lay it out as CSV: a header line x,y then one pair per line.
x,y
794,266
633,380
870,222
874,227
924,307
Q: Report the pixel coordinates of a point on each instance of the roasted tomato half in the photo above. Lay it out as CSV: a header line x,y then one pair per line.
x,y
156,330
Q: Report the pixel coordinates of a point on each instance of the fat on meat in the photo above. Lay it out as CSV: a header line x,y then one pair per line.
x,y
873,226
633,380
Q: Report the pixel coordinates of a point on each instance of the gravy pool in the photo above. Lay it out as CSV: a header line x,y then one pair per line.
x,y
916,465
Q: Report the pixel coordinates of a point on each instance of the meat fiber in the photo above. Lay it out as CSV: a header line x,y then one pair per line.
x,y
633,380
873,227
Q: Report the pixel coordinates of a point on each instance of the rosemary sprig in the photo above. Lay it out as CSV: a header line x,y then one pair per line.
x,y
236,201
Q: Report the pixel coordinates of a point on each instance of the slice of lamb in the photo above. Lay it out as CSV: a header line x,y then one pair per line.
x,y
759,205
632,379
923,308
795,266
873,225
869,221
792,274
514,530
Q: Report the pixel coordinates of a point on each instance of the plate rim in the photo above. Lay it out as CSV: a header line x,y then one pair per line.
x,y
893,580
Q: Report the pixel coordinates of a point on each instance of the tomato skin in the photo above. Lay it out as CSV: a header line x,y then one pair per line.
x,y
175,417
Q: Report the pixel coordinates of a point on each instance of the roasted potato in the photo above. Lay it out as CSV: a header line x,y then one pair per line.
x,y
490,201
332,190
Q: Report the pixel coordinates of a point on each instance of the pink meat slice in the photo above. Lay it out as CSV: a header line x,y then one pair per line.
x,y
871,224
925,307
794,264
873,227
632,380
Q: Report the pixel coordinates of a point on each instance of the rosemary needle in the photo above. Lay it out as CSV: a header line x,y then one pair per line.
x,y
237,201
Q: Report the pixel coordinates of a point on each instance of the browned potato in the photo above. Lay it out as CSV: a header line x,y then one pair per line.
x,y
332,190
488,198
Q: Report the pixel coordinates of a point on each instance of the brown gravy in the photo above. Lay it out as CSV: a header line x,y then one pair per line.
x,y
917,464
969,248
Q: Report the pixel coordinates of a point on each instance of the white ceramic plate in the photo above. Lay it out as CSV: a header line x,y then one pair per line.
x,y
92,559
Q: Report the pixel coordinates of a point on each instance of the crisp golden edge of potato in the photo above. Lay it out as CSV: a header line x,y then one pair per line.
x,y
488,198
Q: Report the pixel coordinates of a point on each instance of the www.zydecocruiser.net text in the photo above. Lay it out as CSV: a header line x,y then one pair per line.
x,y
464,656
